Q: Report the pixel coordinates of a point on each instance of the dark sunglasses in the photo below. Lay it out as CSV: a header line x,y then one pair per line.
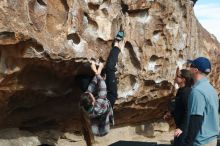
x,y
192,66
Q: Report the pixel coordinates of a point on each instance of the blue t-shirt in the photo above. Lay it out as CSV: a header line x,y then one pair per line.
x,y
203,101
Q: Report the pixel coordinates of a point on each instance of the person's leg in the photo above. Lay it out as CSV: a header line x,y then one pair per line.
x,y
179,140
176,142
112,59
110,75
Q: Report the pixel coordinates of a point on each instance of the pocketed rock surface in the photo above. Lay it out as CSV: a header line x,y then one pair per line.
x,y
45,44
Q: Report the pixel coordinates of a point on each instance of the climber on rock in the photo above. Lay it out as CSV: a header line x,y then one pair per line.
x,y
98,107
109,70
96,111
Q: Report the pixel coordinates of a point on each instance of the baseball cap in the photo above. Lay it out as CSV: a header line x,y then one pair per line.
x,y
202,64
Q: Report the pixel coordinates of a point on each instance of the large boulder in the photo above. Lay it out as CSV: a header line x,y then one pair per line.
x,y
45,44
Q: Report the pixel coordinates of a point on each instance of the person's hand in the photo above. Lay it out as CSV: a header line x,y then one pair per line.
x,y
93,67
167,115
177,132
101,65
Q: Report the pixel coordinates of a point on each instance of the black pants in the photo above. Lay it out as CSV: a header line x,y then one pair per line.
x,y
84,80
178,141
111,82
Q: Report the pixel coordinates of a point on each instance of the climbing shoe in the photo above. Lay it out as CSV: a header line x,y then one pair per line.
x,y
120,36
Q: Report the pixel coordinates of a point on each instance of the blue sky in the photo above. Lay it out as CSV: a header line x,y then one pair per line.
x,y
208,14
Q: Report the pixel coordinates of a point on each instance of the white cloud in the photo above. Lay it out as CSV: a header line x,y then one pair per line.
x,y
209,16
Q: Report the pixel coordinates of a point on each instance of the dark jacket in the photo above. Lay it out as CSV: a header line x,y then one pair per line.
x,y
180,113
180,108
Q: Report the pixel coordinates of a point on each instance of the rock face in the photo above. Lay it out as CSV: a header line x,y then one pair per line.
x,y
44,44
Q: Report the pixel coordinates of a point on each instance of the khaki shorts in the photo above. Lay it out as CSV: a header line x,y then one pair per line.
x,y
212,143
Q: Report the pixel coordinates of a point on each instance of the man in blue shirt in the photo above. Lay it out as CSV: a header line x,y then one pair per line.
x,y
203,105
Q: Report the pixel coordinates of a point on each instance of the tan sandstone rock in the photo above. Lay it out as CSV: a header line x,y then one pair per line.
x,y
44,44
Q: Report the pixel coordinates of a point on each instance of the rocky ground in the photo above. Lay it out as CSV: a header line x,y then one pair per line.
x,y
15,137
151,134
45,44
